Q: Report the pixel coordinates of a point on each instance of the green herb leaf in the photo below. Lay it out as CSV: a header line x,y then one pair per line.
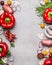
x,y
1,62
41,9
12,44
8,52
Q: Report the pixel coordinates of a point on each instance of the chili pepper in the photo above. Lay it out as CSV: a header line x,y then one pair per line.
x,y
47,15
7,20
3,49
10,36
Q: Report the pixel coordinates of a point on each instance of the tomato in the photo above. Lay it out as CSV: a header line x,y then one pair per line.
x,y
7,20
47,15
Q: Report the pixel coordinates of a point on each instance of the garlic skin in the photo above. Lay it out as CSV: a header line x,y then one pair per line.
x,y
41,36
16,6
42,2
41,62
5,59
1,11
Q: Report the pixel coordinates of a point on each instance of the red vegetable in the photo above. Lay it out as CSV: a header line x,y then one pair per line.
x,y
7,20
47,15
48,61
7,8
10,36
3,49
46,42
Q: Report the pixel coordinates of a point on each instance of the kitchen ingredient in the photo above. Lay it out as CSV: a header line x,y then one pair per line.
x,y
50,51
44,52
1,62
7,20
8,53
42,2
16,6
48,61
40,9
50,55
40,55
12,44
14,9
9,2
47,15
2,3
5,59
46,1
10,36
41,36
39,51
1,11
7,8
42,25
3,49
46,42
41,62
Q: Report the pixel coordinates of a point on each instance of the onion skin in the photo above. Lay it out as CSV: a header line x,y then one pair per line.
x,y
46,42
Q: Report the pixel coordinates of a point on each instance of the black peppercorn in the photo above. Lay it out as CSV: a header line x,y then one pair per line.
x,y
2,3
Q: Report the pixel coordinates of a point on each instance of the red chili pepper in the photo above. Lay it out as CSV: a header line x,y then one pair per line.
x,y
3,49
47,15
10,36
7,20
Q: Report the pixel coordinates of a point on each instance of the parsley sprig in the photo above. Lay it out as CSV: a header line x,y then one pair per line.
x,y
40,9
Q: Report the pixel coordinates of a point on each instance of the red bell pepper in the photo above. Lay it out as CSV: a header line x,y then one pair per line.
x,y
7,20
47,15
3,49
48,61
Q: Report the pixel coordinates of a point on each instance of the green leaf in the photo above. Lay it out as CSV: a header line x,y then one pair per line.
x,y
1,62
12,44
41,9
8,52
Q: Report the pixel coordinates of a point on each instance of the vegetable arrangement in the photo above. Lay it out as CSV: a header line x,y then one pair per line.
x,y
47,15
45,11
41,9
7,22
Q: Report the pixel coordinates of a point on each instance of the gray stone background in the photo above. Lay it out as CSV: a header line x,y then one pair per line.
x,y
26,29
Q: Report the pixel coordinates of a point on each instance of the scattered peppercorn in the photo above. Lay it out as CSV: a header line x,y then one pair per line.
x,y
40,55
2,3
50,55
7,64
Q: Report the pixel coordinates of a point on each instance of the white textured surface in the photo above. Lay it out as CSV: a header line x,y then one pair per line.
x,y
26,29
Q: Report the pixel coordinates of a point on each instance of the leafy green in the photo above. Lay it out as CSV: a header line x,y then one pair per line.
x,y
41,9
12,44
1,62
8,52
